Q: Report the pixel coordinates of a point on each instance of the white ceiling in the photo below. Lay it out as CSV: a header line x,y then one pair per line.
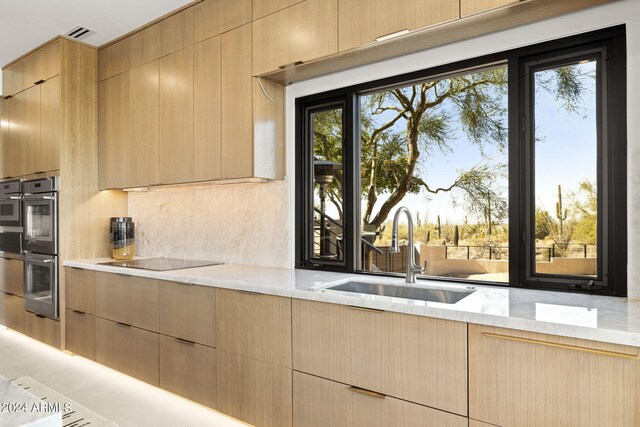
x,y
26,24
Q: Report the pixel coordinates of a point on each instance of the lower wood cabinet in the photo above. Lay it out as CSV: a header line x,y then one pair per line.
x,y
12,314
12,276
80,290
128,349
127,299
527,379
256,392
188,369
81,333
322,403
44,329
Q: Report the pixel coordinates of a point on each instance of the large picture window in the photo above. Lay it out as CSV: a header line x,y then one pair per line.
x,y
512,165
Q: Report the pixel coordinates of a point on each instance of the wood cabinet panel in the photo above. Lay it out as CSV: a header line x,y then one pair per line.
x,y
12,313
527,379
43,329
4,135
323,403
188,369
12,139
13,79
127,299
25,126
80,290
188,312
12,276
48,157
207,109
263,8
475,423
145,125
145,46
80,337
469,7
127,349
177,31
420,359
236,128
362,22
302,32
254,325
176,117
213,17
256,392
114,59
42,65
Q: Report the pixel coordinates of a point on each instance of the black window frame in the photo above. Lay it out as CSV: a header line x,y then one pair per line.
x,y
612,190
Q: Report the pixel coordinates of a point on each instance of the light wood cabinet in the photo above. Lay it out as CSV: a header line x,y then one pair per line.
x,y
42,65
80,290
48,153
188,369
4,135
128,349
363,22
187,312
176,117
12,139
24,128
419,359
254,325
127,299
475,423
213,17
43,329
114,132
263,8
527,379
12,276
323,403
13,79
177,31
469,7
80,335
302,32
114,59
12,314
256,392
145,46
145,125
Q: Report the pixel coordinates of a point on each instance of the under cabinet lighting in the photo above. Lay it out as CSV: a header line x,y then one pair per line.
x,y
392,35
139,189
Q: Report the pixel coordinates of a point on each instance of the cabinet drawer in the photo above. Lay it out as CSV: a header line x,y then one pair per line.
x,y
526,379
323,403
188,312
80,335
44,329
419,359
256,392
80,289
12,313
127,349
12,276
254,325
127,299
188,369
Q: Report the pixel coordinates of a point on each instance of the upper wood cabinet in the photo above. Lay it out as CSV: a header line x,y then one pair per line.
x,y
42,65
27,117
13,79
213,17
145,46
469,7
12,159
177,31
305,31
362,22
48,155
263,8
114,59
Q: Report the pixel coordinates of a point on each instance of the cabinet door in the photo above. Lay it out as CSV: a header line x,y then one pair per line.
x,y
177,31
114,131
255,392
25,130
469,7
127,299
4,136
322,403
13,79
13,152
395,354
44,329
127,349
207,111
114,59
362,22
176,117
254,325
145,46
80,335
48,157
527,379
302,32
263,8
188,369
187,312
145,126
12,313
237,135
12,276
42,65
80,290
213,17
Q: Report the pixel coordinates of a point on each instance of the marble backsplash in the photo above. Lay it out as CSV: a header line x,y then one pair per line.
x,y
245,224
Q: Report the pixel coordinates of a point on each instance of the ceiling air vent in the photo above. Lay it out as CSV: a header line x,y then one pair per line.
x,y
78,32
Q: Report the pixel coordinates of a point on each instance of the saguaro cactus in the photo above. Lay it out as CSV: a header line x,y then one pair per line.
x,y
456,235
561,213
439,229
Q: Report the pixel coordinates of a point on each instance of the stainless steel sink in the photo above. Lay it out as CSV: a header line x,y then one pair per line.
x,y
446,296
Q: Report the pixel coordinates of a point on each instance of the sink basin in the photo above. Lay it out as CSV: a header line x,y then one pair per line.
x,y
446,296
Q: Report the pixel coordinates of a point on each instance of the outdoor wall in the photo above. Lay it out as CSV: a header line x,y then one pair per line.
x,y
617,12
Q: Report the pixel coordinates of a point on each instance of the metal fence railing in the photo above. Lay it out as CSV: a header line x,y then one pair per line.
x,y
543,253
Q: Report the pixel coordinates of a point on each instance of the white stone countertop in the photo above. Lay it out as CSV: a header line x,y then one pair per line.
x,y
21,408
599,318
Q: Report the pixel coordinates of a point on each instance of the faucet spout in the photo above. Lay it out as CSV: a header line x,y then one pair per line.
x,y
412,268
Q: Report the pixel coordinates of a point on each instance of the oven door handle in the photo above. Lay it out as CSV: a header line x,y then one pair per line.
x,y
48,198
15,198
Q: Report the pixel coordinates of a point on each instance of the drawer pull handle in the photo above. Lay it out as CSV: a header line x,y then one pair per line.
x,y
290,65
183,341
392,35
123,275
564,346
39,82
124,325
79,312
247,292
367,392
39,316
7,97
77,268
372,310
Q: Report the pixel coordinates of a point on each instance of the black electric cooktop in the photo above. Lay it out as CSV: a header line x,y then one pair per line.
x,y
160,264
